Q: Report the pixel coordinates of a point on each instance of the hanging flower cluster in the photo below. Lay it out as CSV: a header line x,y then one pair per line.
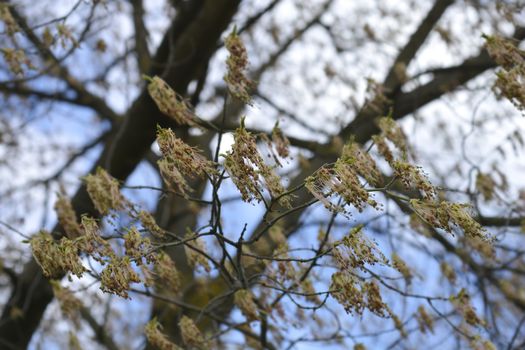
x,y
180,160
69,304
56,258
148,221
104,191
280,141
169,102
137,246
462,303
117,276
248,170
401,266
445,215
158,339
10,25
511,76
362,162
243,298
191,335
355,250
425,322
237,64
343,179
167,273
194,253
356,296
411,176
67,217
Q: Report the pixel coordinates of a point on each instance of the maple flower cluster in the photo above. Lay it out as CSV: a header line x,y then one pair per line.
x,y
445,215
104,191
61,257
191,335
355,250
158,339
169,102
355,295
56,258
511,76
67,217
343,179
180,160
243,298
463,305
248,170
411,176
117,276
167,273
193,253
69,304
237,63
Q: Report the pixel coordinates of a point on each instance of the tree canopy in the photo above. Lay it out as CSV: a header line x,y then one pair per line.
x,y
284,174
